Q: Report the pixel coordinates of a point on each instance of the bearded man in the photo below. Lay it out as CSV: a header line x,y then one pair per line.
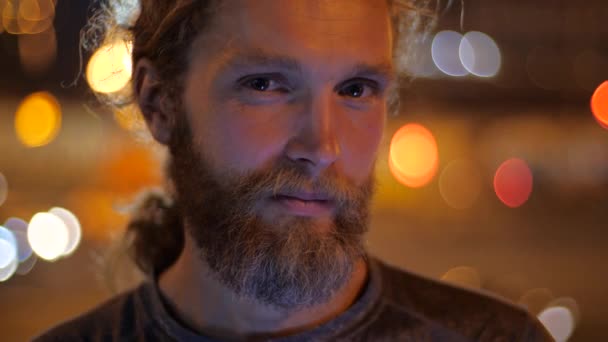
x,y
272,112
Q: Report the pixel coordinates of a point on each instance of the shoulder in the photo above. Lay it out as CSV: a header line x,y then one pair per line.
x,y
119,318
468,312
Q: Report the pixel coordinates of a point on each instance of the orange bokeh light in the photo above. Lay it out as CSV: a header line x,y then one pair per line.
x,y
413,156
599,104
513,182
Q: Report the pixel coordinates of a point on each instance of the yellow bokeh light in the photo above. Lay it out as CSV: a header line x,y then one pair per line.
x,y
33,27
109,69
10,18
413,156
38,119
36,10
463,276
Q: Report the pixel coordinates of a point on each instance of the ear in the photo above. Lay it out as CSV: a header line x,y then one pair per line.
x,y
151,100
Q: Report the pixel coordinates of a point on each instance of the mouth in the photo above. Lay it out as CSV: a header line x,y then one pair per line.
x,y
305,204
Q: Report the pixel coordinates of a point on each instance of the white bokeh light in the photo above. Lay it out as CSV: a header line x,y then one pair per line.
x,y
8,254
445,52
26,257
48,236
558,321
24,250
19,229
74,230
479,54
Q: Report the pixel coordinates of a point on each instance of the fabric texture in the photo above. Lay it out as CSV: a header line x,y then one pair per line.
x,y
395,306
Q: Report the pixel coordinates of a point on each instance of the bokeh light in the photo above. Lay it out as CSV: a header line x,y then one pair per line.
x,y
536,300
74,230
48,236
571,305
33,27
16,224
38,119
479,54
460,184
10,15
513,182
109,69
27,16
413,155
463,276
25,255
3,189
445,52
27,265
559,322
36,10
599,104
8,254
24,250
37,52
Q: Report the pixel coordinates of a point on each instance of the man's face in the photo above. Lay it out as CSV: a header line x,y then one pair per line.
x,y
285,106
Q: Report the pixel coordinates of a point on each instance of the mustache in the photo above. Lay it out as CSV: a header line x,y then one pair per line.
x,y
286,177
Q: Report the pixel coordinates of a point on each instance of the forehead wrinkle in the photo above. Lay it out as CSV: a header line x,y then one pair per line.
x,y
258,57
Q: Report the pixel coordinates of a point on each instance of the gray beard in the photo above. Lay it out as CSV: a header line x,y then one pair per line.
x,y
286,264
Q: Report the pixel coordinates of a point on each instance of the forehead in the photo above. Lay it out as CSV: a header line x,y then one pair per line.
x,y
324,31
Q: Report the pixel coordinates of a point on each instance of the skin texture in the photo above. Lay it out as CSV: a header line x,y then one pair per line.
x,y
303,81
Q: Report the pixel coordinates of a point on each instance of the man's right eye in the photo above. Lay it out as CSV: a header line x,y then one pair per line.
x,y
259,84
262,84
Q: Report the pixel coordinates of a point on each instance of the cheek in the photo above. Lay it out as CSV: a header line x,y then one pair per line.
x,y
361,144
245,138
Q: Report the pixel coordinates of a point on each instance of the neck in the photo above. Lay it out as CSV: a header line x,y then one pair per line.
x,y
200,301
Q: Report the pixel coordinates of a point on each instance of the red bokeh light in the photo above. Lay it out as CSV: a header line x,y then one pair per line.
x,y
599,104
513,182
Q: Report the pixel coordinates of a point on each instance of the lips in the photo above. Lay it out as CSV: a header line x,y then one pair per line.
x,y
304,196
305,204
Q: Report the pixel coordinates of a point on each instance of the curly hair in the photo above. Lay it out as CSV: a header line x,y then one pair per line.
x,y
159,30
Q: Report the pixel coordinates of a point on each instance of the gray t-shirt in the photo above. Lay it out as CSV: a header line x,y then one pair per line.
x,y
394,306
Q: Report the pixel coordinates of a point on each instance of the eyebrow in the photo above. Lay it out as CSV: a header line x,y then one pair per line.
x,y
257,57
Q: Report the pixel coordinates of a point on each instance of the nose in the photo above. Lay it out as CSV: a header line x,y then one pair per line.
x,y
315,144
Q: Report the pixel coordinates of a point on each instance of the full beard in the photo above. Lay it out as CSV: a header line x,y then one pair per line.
x,y
287,263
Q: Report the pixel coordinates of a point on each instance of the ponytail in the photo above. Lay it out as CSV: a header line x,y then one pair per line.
x,y
155,233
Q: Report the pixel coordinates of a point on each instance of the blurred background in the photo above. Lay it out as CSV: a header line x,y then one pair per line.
x,y
493,176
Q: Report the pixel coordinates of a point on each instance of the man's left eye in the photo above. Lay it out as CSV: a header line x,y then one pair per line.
x,y
358,89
